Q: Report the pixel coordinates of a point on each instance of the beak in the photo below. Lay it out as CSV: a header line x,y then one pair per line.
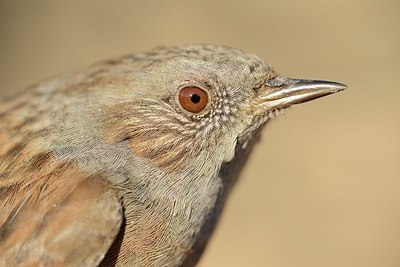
x,y
281,92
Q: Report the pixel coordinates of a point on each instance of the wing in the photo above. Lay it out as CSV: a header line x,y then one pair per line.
x,y
65,217
52,213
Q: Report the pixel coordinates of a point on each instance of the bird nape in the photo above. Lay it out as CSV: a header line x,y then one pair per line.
x,y
128,162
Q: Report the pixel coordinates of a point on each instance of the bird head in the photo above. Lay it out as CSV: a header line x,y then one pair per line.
x,y
204,102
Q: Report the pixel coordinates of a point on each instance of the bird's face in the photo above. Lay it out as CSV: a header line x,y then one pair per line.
x,y
203,102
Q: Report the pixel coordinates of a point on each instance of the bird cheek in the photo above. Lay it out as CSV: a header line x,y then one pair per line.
x,y
168,156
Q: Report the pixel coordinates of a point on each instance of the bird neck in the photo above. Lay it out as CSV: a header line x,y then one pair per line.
x,y
165,212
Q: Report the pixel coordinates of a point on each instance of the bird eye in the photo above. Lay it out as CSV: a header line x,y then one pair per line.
x,y
193,99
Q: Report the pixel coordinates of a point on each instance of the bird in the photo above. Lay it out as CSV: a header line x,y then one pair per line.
x,y
129,162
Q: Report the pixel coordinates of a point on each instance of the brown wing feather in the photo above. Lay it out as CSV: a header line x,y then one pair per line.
x,y
66,218
52,213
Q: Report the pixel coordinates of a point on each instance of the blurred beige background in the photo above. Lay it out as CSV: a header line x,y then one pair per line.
x,y
323,186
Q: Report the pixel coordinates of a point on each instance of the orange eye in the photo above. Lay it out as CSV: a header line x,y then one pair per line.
x,y
193,99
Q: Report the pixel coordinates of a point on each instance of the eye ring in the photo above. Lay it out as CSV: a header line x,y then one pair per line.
x,y
193,99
